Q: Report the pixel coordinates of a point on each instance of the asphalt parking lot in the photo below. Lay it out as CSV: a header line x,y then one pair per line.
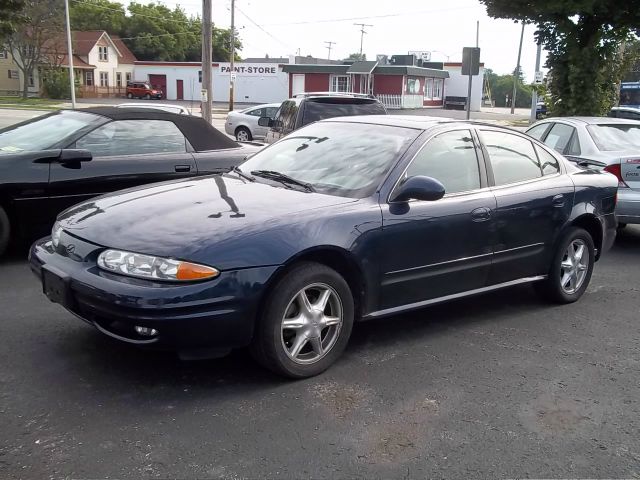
x,y
501,385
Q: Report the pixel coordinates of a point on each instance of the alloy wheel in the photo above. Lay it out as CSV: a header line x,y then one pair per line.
x,y
242,136
574,266
311,323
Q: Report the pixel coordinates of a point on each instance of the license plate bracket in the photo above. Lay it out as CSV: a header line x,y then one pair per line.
x,y
56,286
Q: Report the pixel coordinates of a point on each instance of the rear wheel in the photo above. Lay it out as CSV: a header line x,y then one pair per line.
x,y
243,134
571,268
305,323
5,231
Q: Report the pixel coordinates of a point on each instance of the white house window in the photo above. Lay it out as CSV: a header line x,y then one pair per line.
x,y
103,54
128,76
88,78
437,88
104,79
118,79
428,88
339,83
32,82
4,54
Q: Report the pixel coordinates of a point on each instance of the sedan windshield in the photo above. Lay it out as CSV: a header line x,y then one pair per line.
x,y
615,137
46,132
338,158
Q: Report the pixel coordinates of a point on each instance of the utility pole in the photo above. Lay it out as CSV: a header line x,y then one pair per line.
x,y
534,95
362,32
329,47
478,34
207,83
72,79
232,73
516,73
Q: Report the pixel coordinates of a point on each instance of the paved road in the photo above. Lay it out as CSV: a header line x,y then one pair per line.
x,y
497,386
11,116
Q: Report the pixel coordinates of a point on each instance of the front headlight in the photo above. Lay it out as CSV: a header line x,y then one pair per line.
x,y
153,268
56,231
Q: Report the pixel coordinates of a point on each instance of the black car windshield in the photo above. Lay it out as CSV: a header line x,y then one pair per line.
x,y
615,137
46,132
337,158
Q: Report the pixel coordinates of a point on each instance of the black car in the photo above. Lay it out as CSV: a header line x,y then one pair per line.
x,y
306,108
346,219
52,162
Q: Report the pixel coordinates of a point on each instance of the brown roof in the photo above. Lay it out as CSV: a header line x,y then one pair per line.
x,y
77,63
83,42
127,55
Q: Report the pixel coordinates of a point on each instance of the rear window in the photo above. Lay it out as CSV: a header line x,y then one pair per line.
x,y
617,137
314,111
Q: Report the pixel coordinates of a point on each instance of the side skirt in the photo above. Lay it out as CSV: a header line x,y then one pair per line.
x,y
413,306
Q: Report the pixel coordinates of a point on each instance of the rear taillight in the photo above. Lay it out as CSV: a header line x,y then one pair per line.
x,y
616,170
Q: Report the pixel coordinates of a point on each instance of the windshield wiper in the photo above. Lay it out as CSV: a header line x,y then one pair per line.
x,y
282,178
241,174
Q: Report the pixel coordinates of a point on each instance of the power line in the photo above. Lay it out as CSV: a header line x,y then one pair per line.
x,y
260,27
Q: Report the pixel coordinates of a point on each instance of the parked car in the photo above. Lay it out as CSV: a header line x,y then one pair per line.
x,y
541,110
307,108
600,143
629,113
52,162
346,219
157,106
142,90
243,124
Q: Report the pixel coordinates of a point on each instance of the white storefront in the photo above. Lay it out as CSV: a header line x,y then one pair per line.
x,y
254,83
457,85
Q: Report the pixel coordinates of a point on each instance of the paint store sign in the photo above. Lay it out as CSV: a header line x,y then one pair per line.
x,y
248,69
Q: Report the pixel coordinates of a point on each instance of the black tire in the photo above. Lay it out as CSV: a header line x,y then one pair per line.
x,y
622,226
5,231
552,288
129,95
243,131
147,97
269,346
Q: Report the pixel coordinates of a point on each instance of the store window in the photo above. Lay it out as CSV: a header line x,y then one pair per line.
x,y
438,83
428,89
339,83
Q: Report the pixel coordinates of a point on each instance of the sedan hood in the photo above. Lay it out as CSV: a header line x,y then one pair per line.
x,y
201,220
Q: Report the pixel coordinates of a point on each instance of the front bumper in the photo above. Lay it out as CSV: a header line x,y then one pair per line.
x,y
212,315
628,206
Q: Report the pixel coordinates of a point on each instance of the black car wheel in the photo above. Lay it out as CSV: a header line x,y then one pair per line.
x,y
305,323
5,231
147,97
129,95
571,268
243,134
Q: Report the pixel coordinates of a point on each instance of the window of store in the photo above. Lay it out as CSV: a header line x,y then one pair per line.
x,y
428,88
437,88
104,79
103,54
88,78
340,83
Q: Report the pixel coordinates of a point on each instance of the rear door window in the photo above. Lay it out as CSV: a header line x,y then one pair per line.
x,y
559,137
512,158
538,131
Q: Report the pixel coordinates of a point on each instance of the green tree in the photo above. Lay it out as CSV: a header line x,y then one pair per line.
x,y
40,21
9,16
98,15
583,39
356,57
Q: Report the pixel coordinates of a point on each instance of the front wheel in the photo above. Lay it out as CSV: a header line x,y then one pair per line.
x,y
129,95
305,323
147,97
571,268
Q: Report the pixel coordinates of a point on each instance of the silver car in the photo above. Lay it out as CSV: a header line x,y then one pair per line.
x,y
612,144
243,124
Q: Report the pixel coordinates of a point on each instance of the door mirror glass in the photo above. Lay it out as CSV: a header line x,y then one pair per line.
x,y
69,155
419,188
265,122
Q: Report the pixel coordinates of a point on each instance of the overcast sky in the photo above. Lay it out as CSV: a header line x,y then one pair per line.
x,y
281,27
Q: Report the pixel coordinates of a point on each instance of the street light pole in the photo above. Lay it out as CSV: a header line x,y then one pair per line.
x,y
516,73
72,79
534,95
232,73
207,83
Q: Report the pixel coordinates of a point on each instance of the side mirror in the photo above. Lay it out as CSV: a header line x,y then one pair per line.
x,y
265,122
71,155
419,188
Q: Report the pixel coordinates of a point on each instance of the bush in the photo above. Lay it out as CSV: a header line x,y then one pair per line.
x,y
55,84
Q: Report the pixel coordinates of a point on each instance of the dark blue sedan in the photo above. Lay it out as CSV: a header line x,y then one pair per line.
x,y
346,219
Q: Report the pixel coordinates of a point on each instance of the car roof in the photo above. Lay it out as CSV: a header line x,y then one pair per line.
x,y
201,135
421,122
626,109
579,121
